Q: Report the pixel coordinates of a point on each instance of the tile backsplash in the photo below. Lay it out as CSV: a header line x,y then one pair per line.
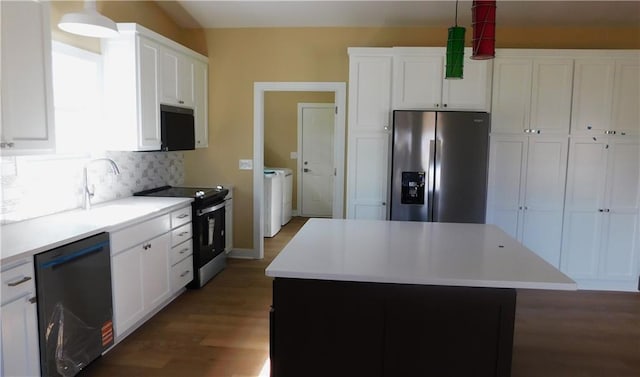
x,y
35,186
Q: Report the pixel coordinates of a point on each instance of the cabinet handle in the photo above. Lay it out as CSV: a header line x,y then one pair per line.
x,y
526,208
607,210
600,210
6,145
384,203
437,105
184,274
182,234
386,128
445,105
16,283
183,215
520,208
180,102
33,300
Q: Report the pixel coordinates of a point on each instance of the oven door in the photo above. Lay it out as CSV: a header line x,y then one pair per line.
x,y
209,233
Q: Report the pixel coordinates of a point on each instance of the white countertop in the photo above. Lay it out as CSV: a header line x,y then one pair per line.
x,y
25,238
472,255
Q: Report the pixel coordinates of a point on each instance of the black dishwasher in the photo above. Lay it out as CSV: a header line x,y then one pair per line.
x,y
75,311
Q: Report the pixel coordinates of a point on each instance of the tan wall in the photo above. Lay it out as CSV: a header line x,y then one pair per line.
x,y
281,129
240,57
145,13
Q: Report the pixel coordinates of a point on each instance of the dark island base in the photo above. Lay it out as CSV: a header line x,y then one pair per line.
x,y
335,328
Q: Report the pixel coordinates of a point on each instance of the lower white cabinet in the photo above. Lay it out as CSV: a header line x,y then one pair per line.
x,y
526,190
600,234
367,178
19,347
140,278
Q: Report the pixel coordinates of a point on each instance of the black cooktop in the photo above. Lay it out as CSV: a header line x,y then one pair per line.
x,y
199,193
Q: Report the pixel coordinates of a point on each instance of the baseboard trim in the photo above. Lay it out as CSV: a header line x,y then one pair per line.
x,y
242,254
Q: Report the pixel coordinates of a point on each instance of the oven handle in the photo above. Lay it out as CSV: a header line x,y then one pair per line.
x,y
204,211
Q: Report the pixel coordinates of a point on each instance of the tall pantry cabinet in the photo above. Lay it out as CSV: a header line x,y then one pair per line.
x,y
531,110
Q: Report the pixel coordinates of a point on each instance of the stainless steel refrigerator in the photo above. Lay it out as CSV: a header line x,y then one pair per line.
x,y
439,166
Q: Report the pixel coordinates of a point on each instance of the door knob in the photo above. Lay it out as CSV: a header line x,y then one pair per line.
x,y
306,170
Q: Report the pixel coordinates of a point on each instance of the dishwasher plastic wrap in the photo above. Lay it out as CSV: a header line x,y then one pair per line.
x,y
73,342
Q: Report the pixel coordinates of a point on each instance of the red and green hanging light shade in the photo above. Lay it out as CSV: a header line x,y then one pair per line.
x,y
484,24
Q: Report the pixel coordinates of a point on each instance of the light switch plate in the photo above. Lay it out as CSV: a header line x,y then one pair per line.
x,y
246,165
294,155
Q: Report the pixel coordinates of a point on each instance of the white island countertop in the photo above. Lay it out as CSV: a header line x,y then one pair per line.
x,y
25,238
470,255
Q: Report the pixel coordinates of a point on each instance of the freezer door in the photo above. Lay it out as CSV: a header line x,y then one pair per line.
x,y
413,153
461,160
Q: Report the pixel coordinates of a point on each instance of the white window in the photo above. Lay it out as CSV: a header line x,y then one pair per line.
x,y
77,96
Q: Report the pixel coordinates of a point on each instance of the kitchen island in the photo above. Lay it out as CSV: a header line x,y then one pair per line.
x,y
391,298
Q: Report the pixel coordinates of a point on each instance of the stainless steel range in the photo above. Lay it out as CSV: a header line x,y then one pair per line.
x,y
208,225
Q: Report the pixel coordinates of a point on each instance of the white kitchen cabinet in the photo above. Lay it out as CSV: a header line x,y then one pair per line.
x,y
201,104
419,83
27,93
606,95
228,221
526,190
19,346
131,85
370,72
532,95
177,78
143,69
600,240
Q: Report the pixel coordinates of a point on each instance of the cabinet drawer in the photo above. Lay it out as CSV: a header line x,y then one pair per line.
x,y
180,217
18,281
182,273
180,234
181,251
135,234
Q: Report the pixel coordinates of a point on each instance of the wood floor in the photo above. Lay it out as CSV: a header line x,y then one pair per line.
x,y
222,330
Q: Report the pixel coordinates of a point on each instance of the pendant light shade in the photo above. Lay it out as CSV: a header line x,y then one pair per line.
x,y
455,53
89,22
483,14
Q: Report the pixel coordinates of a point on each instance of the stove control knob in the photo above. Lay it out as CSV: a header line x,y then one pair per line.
x,y
219,188
199,194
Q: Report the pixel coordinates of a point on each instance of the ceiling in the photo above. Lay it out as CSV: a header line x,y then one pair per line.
x,y
366,13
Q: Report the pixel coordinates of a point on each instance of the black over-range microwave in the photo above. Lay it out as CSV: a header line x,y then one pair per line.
x,y
177,127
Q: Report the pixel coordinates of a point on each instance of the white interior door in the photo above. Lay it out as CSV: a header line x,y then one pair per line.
x,y
316,159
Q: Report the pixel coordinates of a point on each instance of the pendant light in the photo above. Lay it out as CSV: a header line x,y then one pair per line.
x,y
484,29
89,22
455,50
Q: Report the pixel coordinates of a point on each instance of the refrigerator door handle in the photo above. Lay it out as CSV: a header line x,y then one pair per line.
x,y
431,179
436,180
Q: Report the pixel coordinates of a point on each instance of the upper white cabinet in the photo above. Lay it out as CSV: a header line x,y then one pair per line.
x,y
26,99
532,95
177,78
605,96
600,233
370,72
142,70
131,87
419,83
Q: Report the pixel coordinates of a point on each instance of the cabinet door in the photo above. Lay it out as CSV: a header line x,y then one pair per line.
x,y
27,94
510,105
584,198
417,82
126,280
19,338
626,97
619,259
149,69
544,196
201,105
507,164
368,176
551,95
473,92
369,93
177,78
155,271
592,96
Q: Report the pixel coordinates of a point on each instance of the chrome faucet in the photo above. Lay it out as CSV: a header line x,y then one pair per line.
x,y
90,192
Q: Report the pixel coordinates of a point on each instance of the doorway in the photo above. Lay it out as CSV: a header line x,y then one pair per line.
x,y
259,90
316,124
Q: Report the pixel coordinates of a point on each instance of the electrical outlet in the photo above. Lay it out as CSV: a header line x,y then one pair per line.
x,y
246,165
294,155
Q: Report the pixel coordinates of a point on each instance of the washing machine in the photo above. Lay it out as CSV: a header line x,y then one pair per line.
x,y
272,203
287,192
